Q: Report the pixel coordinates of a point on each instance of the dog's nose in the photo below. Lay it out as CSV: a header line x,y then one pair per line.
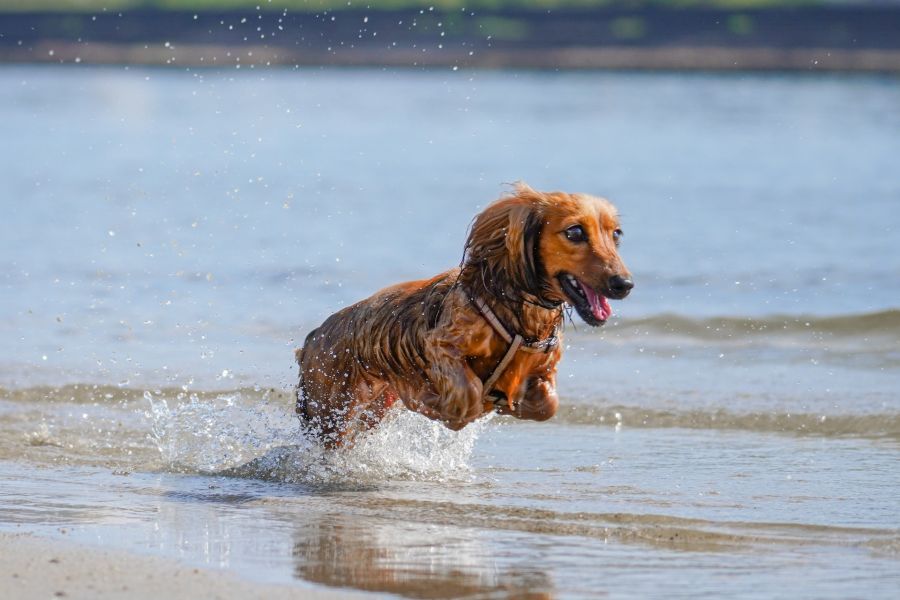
x,y
620,286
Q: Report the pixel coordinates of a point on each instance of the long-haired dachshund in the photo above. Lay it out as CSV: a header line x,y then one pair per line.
x,y
478,338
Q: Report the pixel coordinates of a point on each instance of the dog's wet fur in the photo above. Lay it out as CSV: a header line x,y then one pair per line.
x,y
427,345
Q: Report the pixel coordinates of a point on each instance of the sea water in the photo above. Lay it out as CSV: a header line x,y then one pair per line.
x,y
170,236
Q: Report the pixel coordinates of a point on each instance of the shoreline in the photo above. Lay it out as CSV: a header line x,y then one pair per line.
x,y
40,567
811,39
715,59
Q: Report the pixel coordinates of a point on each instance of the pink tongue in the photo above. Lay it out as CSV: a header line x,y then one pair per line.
x,y
599,304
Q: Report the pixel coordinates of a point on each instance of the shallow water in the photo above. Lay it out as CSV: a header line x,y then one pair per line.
x,y
735,430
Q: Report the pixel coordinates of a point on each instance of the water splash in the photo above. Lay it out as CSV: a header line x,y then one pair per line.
x,y
203,434
243,434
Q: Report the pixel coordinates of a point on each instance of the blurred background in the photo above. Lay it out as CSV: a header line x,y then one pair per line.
x,y
808,35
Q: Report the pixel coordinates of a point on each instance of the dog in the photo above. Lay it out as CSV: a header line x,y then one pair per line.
x,y
483,337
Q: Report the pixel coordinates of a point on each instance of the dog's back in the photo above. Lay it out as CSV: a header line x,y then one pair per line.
x,y
374,342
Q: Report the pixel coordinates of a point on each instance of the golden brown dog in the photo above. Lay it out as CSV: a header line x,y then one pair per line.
x,y
475,339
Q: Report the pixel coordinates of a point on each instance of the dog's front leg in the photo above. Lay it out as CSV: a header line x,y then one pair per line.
x,y
457,392
538,403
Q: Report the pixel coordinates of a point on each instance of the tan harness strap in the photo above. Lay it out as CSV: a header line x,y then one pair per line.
x,y
516,343
507,358
491,318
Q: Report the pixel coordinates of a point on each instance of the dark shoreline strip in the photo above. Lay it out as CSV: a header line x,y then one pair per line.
x,y
797,39
812,60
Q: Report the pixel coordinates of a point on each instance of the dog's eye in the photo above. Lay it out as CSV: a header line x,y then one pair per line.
x,y
617,235
575,233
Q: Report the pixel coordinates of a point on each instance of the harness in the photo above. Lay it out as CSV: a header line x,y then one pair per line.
x,y
516,342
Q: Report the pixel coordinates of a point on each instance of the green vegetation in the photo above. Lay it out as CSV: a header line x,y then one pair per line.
x,y
504,29
317,5
741,24
628,28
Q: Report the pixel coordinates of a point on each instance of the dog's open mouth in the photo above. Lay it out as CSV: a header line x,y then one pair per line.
x,y
591,305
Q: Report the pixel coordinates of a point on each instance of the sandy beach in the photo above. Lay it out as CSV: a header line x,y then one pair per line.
x,y
35,567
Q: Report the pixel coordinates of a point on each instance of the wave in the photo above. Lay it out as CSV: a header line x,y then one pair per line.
x,y
872,426
685,533
211,430
879,325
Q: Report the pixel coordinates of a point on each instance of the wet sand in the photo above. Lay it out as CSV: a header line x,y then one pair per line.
x,y
34,567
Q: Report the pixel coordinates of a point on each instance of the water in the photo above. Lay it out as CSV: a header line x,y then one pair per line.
x,y
169,236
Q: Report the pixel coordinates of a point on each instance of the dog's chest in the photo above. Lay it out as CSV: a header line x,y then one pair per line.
x,y
522,370
509,376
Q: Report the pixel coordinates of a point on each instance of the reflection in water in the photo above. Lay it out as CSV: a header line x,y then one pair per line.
x,y
412,560
423,539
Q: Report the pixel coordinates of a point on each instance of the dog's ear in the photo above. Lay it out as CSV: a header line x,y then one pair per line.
x,y
521,243
502,243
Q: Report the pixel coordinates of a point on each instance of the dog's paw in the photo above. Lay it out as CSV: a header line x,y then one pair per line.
x,y
539,403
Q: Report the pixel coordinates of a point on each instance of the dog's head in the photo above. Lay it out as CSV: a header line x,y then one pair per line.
x,y
550,248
